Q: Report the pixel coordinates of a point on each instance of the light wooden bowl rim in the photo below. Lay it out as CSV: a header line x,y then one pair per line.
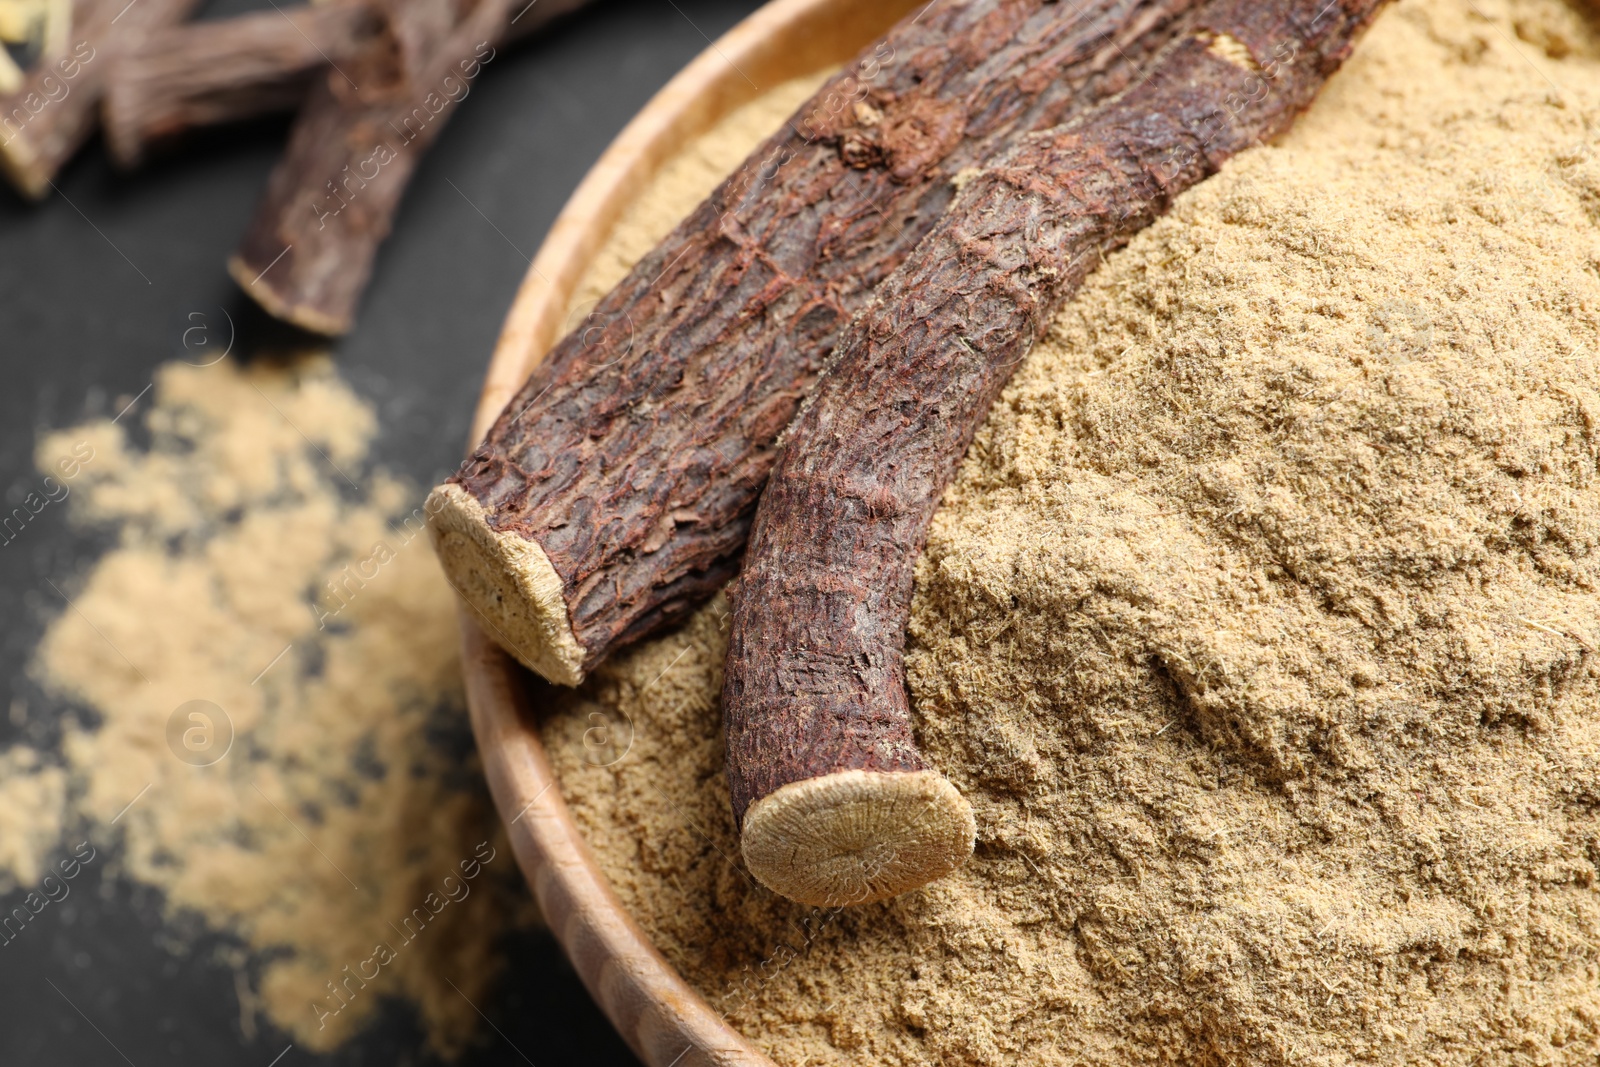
x,y
664,1020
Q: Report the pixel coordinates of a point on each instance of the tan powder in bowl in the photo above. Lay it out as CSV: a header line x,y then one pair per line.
x,y
1259,626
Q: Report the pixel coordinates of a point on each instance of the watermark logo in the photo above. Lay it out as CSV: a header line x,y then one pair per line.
x,y
351,979
52,890
1400,330
50,491
52,88
199,342
346,186
604,337
199,733
608,738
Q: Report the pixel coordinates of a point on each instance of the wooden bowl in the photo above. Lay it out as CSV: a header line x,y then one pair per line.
x,y
665,1021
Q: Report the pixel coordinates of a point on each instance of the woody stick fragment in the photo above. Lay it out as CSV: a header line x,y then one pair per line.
x,y
836,805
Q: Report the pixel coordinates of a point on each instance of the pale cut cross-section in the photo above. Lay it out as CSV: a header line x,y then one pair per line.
x,y
855,837
509,581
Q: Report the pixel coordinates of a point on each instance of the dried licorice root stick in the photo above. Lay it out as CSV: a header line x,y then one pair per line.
x,y
836,804
221,70
46,118
308,252
615,491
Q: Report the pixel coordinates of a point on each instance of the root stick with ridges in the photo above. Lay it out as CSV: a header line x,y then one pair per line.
x,y
835,803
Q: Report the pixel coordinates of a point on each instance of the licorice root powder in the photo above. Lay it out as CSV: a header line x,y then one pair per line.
x,y
1260,627
266,570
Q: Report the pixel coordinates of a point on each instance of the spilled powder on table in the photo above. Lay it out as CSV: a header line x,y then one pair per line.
x,y
262,565
1259,626
32,798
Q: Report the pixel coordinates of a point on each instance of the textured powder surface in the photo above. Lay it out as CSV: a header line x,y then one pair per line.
x,y
262,565
1259,627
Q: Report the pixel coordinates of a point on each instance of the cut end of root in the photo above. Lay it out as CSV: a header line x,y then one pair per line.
x,y
854,837
260,289
509,581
